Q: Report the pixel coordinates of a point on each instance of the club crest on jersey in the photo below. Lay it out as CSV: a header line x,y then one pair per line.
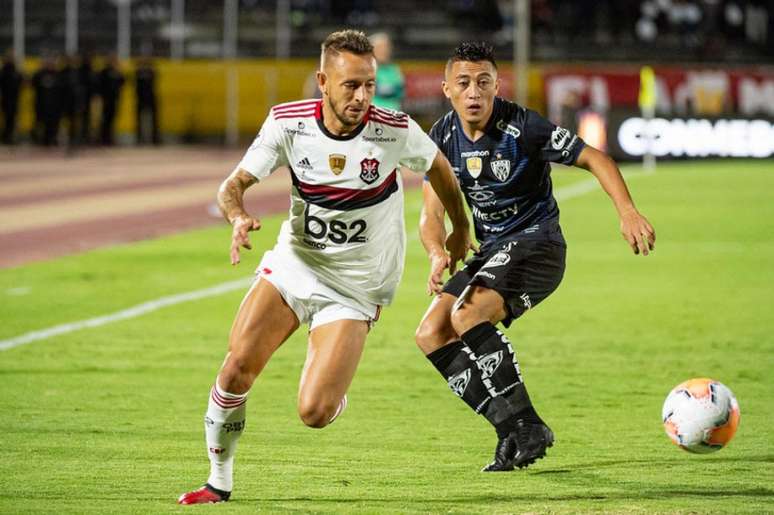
x,y
501,168
475,166
369,170
337,162
499,259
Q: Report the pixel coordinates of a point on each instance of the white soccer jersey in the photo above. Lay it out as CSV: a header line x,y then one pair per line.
x,y
346,214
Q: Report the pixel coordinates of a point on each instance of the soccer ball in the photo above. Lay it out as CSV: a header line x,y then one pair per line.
x,y
700,415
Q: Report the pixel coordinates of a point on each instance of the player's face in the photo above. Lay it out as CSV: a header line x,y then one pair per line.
x,y
471,87
348,83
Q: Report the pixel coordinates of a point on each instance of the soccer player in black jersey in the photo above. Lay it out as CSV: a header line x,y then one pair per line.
x,y
500,153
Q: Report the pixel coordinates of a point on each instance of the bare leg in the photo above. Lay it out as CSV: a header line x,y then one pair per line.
x,y
263,323
436,330
479,305
331,360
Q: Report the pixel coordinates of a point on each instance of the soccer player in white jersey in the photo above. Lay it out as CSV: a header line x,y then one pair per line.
x,y
339,256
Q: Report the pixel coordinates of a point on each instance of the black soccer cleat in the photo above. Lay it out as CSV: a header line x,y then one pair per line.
x,y
522,447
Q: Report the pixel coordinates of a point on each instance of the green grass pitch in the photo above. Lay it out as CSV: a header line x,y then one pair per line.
x,y
109,420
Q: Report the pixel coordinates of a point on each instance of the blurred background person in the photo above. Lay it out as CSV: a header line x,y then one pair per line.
x,y
10,85
110,82
87,83
48,103
389,79
147,112
72,97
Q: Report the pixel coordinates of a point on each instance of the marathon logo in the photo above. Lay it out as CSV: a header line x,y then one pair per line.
x,y
475,153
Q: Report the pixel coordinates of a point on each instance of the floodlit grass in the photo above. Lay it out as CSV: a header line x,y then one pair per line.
x,y
109,420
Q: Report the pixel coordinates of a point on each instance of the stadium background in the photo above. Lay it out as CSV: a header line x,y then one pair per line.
x,y
106,418
221,65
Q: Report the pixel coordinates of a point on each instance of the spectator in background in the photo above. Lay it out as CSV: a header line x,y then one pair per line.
x,y
72,99
48,103
110,82
147,114
10,85
389,79
87,83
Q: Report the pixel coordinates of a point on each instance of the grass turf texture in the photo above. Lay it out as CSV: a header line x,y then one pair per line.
x,y
109,420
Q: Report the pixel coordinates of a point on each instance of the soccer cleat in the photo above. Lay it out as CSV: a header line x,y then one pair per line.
x,y
207,494
504,453
522,447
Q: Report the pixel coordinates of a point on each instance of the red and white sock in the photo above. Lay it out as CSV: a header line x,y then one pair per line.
x,y
223,425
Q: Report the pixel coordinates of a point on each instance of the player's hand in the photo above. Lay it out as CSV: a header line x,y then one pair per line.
x,y
241,226
638,232
439,261
458,243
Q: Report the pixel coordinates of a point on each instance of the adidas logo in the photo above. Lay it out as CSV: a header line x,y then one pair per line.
x,y
305,164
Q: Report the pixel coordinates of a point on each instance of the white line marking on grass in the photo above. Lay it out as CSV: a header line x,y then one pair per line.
x,y
17,292
577,189
134,311
564,193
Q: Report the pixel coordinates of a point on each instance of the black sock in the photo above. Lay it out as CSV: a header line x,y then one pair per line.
x,y
454,363
500,375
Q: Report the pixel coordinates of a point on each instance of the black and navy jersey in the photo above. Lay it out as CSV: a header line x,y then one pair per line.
x,y
505,175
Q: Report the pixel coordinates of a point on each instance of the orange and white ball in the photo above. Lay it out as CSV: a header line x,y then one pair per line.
x,y
700,415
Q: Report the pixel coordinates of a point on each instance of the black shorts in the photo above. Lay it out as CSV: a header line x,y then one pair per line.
x,y
522,271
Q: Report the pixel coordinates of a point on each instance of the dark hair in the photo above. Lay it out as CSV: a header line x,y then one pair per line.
x,y
473,51
352,41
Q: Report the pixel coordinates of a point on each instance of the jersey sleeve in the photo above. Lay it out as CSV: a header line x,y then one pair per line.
x,y
266,153
551,142
419,151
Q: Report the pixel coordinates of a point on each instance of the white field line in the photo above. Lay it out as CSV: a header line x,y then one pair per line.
x,y
565,193
133,312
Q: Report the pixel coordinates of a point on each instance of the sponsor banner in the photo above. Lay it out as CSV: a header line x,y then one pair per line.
x,y
631,136
680,91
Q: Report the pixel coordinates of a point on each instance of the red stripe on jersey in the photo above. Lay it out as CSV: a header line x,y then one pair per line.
x,y
308,109
294,105
391,123
347,194
394,115
304,114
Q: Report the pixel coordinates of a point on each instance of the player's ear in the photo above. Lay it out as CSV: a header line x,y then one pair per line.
x,y
446,91
497,86
322,80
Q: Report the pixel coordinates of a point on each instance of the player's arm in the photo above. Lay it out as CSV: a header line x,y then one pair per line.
x,y
635,228
231,203
447,190
432,233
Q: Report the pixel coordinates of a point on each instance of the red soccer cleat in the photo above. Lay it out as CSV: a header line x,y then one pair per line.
x,y
204,495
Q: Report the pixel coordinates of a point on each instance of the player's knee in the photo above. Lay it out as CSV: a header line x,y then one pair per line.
x,y
237,375
431,336
316,414
465,318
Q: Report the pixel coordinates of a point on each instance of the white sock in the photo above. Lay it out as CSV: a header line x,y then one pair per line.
x,y
223,426
340,409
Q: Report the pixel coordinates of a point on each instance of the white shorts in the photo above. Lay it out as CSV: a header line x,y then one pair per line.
x,y
313,302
